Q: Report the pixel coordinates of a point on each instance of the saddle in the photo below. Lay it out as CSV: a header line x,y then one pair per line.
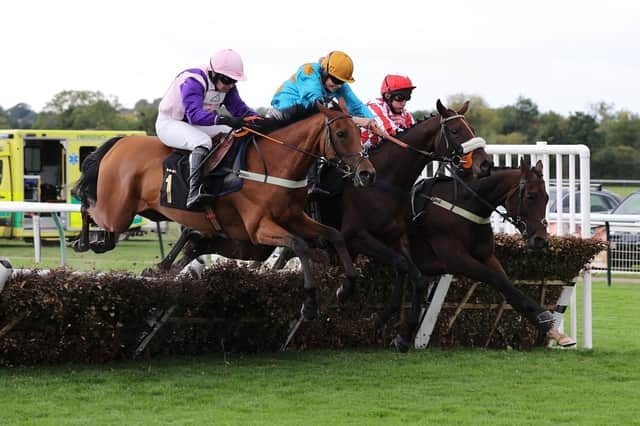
x,y
228,154
420,195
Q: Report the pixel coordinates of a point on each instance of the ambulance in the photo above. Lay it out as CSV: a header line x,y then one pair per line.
x,y
43,166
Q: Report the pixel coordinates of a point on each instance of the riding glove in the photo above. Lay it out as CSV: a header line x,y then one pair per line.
x,y
233,122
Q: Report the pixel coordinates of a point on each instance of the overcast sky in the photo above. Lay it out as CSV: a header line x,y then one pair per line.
x,y
565,55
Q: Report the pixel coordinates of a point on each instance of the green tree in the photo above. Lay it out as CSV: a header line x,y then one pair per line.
x,y
616,162
583,129
48,120
522,117
21,116
551,128
4,119
99,115
623,130
513,138
146,114
82,109
484,120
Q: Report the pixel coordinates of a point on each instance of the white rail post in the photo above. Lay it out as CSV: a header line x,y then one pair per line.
x,y
35,219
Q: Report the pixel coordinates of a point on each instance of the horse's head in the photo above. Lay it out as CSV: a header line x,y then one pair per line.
x,y
458,139
526,204
342,145
476,162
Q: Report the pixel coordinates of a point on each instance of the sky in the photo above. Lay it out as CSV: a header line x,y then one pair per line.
x,y
564,55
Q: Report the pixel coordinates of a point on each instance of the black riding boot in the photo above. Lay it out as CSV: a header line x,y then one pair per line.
x,y
196,192
313,181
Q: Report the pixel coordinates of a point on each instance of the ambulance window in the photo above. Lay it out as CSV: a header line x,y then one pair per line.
x,y
84,152
32,163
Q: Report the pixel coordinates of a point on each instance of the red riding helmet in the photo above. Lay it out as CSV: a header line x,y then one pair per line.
x,y
393,83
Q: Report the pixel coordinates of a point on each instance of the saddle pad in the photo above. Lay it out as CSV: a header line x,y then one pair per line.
x,y
220,181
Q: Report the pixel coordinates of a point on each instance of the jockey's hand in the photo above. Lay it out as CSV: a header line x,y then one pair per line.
x,y
255,122
366,123
233,122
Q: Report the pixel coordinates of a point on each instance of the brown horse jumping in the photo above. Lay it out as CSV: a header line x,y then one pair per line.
x,y
124,177
374,221
452,233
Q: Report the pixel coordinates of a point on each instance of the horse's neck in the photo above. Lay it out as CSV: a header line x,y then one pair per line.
x,y
291,163
401,166
495,188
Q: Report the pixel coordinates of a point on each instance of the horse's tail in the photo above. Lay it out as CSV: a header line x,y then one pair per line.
x,y
86,189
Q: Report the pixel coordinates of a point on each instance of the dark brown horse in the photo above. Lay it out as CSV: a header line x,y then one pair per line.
x,y
374,220
451,233
124,177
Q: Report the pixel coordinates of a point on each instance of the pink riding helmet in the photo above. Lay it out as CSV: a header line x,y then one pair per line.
x,y
229,63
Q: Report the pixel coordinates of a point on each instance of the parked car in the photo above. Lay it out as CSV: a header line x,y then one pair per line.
x,y
625,241
601,201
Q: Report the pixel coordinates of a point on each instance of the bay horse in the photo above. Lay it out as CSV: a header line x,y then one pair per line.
x,y
451,233
123,177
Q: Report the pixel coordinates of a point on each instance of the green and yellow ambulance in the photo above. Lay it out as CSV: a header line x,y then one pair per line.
x,y
43,166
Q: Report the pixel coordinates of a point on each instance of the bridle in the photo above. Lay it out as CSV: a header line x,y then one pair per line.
x,y
519,189
338,161
443,135
518,220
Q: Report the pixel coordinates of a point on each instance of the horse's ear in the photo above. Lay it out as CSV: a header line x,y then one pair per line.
x,y
523,166
441,108
343,104
464,108
321,107
538,167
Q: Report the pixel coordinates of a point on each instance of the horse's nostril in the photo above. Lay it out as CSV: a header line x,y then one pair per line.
x,y
366,177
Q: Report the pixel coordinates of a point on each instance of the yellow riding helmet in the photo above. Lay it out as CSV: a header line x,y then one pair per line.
x,y
339,65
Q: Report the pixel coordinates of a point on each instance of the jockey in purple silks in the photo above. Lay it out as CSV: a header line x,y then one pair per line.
x,y
189,115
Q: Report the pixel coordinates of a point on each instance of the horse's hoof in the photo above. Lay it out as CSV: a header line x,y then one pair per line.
x,y
401,344
562,340
79,247
99,247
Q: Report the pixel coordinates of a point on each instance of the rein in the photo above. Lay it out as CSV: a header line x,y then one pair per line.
x,y
517,221
328,141
430,155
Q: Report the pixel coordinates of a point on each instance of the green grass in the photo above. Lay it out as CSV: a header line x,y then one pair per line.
x,y
622,191
133,255
600,386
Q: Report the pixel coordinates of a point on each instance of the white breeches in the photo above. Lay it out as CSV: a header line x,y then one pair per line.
x,y
181,135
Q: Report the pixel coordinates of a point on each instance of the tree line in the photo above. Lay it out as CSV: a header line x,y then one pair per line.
x,y
613,136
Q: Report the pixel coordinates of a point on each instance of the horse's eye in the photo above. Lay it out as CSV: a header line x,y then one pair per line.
x,y
454,131
341,133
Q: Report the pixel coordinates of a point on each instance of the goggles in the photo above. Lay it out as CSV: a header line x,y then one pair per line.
x,y
226,80
401,97
335,80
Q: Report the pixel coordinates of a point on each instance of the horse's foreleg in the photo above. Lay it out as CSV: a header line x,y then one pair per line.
x,y
82,243
310,229
272,234
491,272
186,235
538,315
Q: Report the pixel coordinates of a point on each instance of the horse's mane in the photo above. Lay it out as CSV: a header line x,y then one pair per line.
x,y
287,116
